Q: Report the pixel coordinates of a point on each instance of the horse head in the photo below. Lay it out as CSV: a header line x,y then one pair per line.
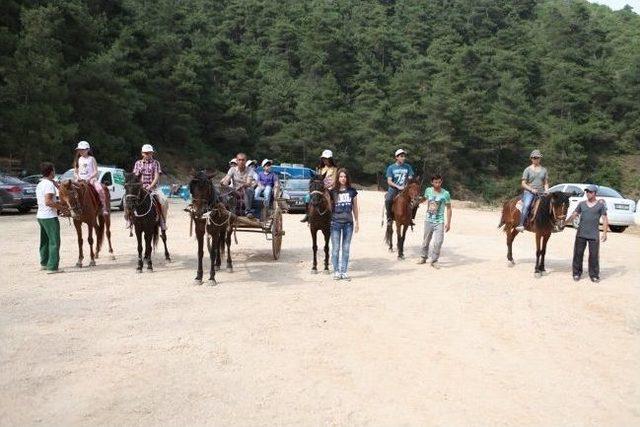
x,y
68,193
134,192
317,191
558,208
203,193
412,191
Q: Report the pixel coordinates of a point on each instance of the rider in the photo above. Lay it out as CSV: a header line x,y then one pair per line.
x,y
148,170
242,179
328,168
398,174
534,182
267,181
85,168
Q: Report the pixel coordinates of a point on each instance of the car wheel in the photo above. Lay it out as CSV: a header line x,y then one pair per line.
x,y
617,228
24,209
121,205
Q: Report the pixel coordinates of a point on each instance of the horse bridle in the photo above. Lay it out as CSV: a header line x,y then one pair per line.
x,y
73,196
321,194
132,201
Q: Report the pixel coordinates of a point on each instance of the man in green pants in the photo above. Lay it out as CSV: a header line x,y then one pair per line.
x,y
48,219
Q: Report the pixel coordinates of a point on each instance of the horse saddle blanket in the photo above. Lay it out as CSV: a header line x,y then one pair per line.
x,y
534,208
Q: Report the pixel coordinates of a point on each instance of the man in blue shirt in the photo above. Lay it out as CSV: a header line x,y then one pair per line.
x,y
398,174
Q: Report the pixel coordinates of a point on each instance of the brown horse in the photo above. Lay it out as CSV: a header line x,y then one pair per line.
x,y
550,216
319,212
85,207
210,217
403,205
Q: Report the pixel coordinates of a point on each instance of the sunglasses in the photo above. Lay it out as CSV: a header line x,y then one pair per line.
x,y
535,158
589,191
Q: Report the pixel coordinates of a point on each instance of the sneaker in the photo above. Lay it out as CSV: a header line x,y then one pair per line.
x,y
595,279
43,267
435,265
576,278
423,260
59,270
345,276
337,276
520,228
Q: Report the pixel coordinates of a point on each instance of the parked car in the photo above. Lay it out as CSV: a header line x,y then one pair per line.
x,y
110,176
294,192
22,195
620,211
35,179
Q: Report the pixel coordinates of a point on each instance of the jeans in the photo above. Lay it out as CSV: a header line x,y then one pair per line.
x,y
388,201
49,243
578,254
344,231
263,191
527,201
435,231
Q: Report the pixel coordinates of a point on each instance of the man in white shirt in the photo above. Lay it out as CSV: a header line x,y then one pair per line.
x,y
48,219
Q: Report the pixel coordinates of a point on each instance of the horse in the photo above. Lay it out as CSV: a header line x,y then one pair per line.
x,y
319,214
212,217
550,216
144,214
85,207
403,205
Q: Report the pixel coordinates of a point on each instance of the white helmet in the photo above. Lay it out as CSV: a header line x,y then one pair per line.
x,y
265,161
399,151
147,148
326,154
83,145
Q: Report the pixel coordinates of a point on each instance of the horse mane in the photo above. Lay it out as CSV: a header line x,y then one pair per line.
x,y
543,216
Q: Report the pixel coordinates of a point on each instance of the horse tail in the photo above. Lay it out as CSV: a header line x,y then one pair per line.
x,y
503,216
100,231
388,235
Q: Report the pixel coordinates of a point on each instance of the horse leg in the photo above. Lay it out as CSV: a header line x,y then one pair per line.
x,y
92,263
200,237
107,230
78,226
327,236
404,235
222,239
543,251
228,243
511,235
148,237
399,237
163,235
389,235
139,238
537,271
213,250
314,246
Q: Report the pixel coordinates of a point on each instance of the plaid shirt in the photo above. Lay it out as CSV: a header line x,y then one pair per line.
x,y
146,170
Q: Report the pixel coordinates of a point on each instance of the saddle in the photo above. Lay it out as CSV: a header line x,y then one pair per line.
x,y
93,194
533,212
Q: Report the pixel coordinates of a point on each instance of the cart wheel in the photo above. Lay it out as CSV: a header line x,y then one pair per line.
x,y
276,233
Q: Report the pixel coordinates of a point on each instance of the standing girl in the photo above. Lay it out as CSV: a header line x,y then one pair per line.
x,y
86,169
345,210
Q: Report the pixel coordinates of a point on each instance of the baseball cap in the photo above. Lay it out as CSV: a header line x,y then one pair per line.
x,y
83,145
400,151
592,188
265,161
147,148
327,154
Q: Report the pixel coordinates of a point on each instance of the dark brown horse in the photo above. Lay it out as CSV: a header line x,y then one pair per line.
x,y
211,217
549,216
85,207
319,212
145,216
403,205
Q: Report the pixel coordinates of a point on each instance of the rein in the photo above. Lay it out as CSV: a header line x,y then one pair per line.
x,y
135,211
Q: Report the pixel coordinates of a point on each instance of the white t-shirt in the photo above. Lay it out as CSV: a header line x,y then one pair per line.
x,y
45,186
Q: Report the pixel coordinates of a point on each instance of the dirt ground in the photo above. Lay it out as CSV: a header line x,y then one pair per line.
x,y
474,343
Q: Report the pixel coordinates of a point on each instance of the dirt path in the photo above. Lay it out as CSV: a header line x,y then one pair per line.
x,y
475,343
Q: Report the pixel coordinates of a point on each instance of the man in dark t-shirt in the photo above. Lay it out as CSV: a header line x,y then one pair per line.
x,y
588,232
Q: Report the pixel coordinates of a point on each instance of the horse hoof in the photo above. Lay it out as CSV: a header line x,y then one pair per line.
x,y
400,257
218,268
168,260
229,270
212,282
113,257
150,270
92,263
79,264
197,282
510,264
138,270
326,271
538,274
314,271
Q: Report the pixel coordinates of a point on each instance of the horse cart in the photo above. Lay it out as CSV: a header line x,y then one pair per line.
x,y
268,222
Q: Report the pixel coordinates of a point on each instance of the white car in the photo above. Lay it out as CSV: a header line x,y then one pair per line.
x,y
111,177
620,211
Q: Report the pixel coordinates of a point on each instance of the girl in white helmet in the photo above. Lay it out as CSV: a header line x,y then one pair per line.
x,y
148,170
85,168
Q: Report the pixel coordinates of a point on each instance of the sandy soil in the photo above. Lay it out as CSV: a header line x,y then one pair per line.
x,y
475,343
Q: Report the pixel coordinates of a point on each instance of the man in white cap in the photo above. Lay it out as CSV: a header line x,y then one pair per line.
x,y
398,174
148,170
534,183
242,179
590,211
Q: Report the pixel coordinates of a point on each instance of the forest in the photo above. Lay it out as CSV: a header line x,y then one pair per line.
x,y
467,87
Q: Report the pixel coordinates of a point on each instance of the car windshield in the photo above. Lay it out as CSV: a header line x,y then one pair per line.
x,y
67,175
297,185
608,192
10,180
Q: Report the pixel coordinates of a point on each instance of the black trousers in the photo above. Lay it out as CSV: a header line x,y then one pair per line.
x,y
594,254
